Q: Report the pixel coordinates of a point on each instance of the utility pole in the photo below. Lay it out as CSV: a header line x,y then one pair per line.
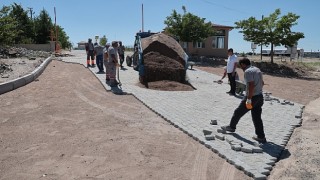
x,y
31,12
142,20
57,48
261,47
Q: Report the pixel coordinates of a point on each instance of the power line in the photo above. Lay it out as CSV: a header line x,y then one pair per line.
x,y
225,7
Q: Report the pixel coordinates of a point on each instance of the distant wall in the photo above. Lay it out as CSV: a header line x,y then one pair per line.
x,y
38,47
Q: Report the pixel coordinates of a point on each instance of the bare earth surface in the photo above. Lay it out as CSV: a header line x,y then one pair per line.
x,y
66,126
19,67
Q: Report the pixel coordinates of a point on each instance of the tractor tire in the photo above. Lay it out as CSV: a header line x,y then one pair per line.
x,y
129,61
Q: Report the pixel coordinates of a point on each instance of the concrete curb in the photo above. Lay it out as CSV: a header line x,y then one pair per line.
x,y
24,80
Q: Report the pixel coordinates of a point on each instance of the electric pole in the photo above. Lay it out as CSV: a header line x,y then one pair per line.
x,y
142,19
31,12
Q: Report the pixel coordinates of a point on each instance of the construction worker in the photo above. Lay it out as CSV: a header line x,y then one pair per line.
x,y
113,62
121,50
90,53
106,60
98,52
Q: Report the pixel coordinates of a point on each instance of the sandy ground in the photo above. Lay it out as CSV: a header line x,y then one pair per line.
x,y
19,66
66,126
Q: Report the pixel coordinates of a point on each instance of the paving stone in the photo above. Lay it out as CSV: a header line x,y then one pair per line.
x,y
246,149
206,132
236,147
221,131
221,137
230,161
214,122
229,140
257,150
209,137
260,177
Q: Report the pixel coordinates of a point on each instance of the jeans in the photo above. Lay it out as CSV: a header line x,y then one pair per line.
x,y
99,61
232,80
257,103
121,56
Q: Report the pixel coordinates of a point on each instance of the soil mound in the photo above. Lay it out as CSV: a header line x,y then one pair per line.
x,y
159,67
163,59
294,70
165,45
169,86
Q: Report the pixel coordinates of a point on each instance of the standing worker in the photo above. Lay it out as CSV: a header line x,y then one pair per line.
x,y
106,61
113,62
98,51
252,101
121,50
231,71
90,53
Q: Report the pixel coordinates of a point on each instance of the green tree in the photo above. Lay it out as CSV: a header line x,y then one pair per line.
x,y
188,27
272,30
63,38
8,27
24,24
103,40
43,26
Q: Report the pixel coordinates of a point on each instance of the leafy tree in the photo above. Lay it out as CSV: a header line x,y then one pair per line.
x,y
188,27
8,27
43,26
103,40
63,38
24,24
16,27
271,30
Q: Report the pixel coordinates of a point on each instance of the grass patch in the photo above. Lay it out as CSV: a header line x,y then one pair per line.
x,y
310,65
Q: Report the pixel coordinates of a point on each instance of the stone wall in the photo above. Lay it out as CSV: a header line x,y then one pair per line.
x,y
38,47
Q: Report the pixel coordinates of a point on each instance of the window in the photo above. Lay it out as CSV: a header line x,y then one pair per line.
x,y
184,45
218,42
198,44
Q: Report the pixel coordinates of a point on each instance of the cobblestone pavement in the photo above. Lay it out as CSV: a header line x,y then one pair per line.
x,y
192,112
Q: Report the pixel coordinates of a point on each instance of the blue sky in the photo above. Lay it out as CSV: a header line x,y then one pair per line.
x,y
121,19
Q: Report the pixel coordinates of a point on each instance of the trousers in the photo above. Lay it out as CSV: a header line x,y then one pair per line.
x,y
256,111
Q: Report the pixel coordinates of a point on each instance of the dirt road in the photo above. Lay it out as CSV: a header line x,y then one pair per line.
x,y
66,126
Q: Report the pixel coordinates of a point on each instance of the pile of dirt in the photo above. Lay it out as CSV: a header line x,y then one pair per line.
x,y
164,64
159,67
294,70
165,45
169,86
163,58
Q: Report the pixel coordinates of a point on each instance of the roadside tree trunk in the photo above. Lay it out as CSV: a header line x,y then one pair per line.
x,y
271,53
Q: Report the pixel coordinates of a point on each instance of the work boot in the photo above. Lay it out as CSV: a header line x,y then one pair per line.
x,y
260,140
